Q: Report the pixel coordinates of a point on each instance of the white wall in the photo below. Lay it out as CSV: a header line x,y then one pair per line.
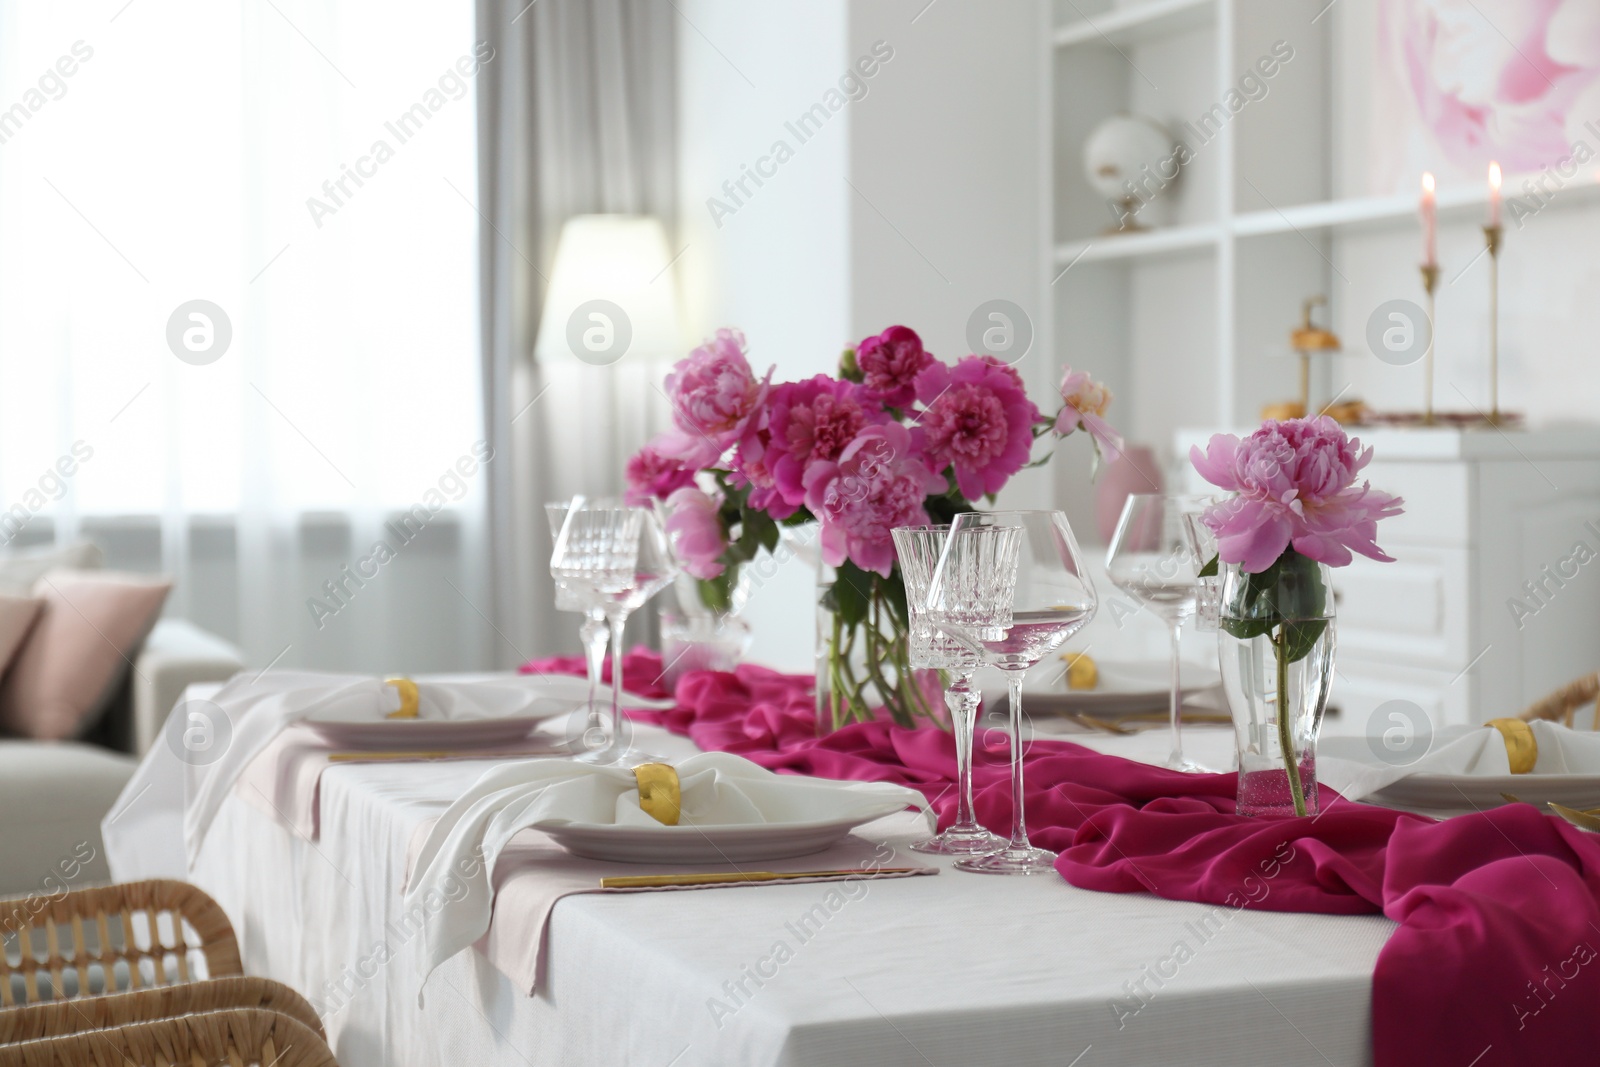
x,y
914,203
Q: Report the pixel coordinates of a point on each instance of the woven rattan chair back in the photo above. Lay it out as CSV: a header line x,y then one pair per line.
x,y
58,1017
241,1038
130,936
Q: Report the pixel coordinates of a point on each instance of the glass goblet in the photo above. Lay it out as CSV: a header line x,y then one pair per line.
x,y
918,549
1011,586
1151,559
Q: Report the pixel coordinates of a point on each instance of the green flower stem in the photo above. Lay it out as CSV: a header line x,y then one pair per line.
x,y
1280,649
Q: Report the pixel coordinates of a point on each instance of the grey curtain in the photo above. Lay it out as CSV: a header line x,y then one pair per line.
x,y
576,114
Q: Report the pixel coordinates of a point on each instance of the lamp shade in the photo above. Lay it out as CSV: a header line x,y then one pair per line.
x,y
611,296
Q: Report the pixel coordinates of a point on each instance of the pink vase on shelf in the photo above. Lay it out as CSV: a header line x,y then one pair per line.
x,y
1134,471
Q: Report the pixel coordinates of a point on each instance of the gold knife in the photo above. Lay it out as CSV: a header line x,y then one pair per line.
x,y
389,754
662,881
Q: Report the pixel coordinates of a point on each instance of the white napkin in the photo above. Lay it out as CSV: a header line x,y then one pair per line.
x,y
451,878
1349,765
257,708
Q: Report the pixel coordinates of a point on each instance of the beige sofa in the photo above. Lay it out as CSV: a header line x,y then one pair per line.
x,y
55,793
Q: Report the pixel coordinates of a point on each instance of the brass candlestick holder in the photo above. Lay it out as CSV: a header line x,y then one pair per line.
x,y
1491,234
1430,281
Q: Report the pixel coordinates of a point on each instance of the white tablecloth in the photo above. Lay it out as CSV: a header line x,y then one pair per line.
x,y
952,970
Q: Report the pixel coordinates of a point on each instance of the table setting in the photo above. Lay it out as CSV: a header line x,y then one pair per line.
x,y
481,865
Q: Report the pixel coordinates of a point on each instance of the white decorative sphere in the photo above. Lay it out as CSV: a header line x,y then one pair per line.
x,y
1120,148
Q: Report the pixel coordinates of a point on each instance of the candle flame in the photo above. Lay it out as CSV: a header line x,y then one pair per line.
x,y
1427,181
1494,176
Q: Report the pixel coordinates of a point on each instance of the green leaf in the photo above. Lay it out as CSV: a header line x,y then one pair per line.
x,y
1210,569
717,593
893,591
851,592
849,370
1246,629
1298,638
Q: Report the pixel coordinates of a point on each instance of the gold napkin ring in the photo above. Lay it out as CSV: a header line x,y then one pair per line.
x,y
409,698
1522,750
658,792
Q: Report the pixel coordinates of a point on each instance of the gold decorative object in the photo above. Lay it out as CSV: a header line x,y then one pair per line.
x,y
410,700
1081,671
1522,750
1307,340
659,796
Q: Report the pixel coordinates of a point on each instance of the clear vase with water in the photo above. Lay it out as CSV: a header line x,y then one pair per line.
x,y
1275,642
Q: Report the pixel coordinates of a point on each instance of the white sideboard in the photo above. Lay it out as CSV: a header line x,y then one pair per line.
x,y
1494,596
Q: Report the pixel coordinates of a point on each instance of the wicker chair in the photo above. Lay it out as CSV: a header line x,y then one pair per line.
x,y
111,938
1563,704
241,1038
59,1017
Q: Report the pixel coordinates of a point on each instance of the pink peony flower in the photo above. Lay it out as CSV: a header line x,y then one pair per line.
x,y
714,395
890,363
654,472
1295,486
809,422
696,531
749,468
878,482
1086,401
978,419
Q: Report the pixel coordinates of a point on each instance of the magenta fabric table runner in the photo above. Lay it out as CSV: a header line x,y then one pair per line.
x,y
1493,961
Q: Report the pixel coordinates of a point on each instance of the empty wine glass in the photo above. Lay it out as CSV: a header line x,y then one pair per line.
x,y
580,596
1152,559
1011,586
918,548
618,557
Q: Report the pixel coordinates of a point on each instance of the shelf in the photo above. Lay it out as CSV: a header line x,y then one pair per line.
x,y
1455,205
1136,23
1133,245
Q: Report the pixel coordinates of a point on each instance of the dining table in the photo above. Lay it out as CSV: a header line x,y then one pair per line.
x,y
925,972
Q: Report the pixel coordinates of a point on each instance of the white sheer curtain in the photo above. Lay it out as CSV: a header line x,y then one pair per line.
x,y
309,169
578,116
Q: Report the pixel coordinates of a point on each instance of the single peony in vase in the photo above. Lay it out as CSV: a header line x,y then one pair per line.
x,y
1295,512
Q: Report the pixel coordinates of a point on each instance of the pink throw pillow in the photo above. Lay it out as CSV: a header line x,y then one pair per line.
x,y
17,616
90,625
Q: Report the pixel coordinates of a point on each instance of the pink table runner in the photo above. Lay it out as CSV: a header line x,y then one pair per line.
x,y
1493,962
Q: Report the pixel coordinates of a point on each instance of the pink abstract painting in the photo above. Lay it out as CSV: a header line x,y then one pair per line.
x,y
1461,82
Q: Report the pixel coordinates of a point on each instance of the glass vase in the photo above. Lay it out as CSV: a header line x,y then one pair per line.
x,y
1275,638
863,653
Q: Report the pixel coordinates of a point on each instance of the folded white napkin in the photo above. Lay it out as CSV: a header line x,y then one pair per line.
x,y
1349,765
451,878
247,714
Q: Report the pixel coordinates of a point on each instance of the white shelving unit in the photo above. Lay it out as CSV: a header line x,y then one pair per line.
x,y
1186,322
1257,222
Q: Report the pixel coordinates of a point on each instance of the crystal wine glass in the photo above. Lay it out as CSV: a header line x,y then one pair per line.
x,y
1011,586
1152,559
582,598
612,559
918,548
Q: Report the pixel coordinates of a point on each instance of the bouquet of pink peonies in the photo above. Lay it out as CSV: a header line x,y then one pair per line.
x,y
898,438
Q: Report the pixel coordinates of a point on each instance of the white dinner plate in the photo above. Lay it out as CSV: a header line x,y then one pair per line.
x,y
1480,792
1125,688
743,843
423,733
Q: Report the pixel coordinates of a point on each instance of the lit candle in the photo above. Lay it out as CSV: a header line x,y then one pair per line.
x,y
1430,222
1494,195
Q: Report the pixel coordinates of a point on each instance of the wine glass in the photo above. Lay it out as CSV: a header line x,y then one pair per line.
x,y
918,548
617,557
1011,586
582,597
1152,559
